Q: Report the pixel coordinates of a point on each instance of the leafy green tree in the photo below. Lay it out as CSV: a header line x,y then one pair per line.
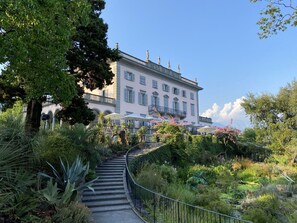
x,y
34,38
274,116
277,16
88,62
249,135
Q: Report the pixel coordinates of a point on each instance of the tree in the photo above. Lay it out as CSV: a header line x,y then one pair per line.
x,y
277,16
274,116
88,62
35,36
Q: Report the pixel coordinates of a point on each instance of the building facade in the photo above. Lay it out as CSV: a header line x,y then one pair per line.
x,y
146,89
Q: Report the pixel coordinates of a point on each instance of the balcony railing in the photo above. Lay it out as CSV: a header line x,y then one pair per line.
x,y
205,119
98,98
167,111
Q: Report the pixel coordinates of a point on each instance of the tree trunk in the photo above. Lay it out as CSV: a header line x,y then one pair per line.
x,y
33,116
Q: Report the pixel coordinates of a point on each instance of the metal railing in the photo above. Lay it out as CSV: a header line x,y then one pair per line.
x,y
165,110
155,207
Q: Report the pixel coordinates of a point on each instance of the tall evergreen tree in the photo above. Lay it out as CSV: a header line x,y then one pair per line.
x,y
88,62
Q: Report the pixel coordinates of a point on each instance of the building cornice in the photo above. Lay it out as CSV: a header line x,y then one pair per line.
x,y
159,70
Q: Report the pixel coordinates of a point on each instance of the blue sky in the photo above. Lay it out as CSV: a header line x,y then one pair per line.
x,y
213,41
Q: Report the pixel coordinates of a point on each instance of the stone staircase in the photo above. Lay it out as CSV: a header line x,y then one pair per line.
x,y
109,189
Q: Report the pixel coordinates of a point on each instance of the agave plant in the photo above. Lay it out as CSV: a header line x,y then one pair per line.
x,y
73,176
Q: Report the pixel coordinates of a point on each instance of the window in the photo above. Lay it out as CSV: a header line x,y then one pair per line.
x,y
192,95
184,94
129,76
129,95
142,98
142,80
175,105
192,109
165,87
155,99
166,104
175,91
184,106
155,84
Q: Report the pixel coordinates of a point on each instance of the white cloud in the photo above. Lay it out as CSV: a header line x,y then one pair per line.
x,y
230,114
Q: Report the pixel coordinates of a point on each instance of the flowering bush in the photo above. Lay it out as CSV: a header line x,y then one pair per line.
x,y
168,131
227,135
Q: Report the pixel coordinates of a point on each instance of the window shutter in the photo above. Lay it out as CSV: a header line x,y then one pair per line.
x,y
133,97
133,77
139,98
126,75
158,101
145,99
126,95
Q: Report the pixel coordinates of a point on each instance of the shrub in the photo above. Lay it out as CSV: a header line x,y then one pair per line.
x,y
54,145
201,175
265,208
72,213
257,215
180,192
150,177
168,173
210,198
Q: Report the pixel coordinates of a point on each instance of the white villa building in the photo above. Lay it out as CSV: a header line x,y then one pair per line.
x,y
144,88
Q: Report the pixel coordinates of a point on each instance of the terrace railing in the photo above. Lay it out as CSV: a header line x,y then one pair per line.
x,y
155,207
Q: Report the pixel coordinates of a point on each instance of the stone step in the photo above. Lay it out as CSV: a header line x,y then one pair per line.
x,y
120,176
109,174
99,184
120,163
120,179
88,193
104,172
106,203
104,187
110,208
104,197
110,168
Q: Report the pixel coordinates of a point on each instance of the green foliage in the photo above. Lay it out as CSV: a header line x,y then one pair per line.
x,y
248,135
180,192
71,176
202,151
252,151
210,199
55,196
169,132
34,39
53,145
67,143
151,177
201,175
264,209
133,140
277,16
274,117
160,155
141,133
88,60
73,213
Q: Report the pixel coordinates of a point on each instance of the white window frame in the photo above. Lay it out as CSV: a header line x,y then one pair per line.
x,y
142,80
